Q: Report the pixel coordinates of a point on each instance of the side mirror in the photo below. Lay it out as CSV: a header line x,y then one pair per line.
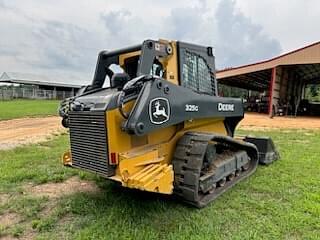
x,y
118,80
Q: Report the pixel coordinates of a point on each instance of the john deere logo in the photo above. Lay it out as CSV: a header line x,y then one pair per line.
x,y
159,110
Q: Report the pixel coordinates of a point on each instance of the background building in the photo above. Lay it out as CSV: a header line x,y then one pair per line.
x,y
26,85
281,85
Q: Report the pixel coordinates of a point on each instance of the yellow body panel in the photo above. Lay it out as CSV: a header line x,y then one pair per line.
x,y
125,56
118,141
171,63
153,178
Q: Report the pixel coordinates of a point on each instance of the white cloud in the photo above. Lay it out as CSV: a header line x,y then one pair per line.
x,y
64,37
294,23
239,39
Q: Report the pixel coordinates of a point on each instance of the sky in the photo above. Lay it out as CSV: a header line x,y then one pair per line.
x,y
62,38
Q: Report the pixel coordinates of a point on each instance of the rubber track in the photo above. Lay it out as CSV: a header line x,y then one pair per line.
x,y
188,160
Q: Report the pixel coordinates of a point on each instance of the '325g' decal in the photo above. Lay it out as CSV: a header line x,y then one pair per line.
x,y
191,108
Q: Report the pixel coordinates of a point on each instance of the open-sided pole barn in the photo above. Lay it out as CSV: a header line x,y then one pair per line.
x,y
39,86
283,77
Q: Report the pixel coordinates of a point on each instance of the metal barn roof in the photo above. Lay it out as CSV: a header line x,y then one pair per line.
x,y
35,79
305,60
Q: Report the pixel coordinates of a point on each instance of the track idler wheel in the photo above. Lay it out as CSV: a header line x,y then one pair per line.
x,y
222,182
213,188
246,166
231,176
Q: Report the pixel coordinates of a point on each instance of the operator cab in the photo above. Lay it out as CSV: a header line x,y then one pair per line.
x,y
158,58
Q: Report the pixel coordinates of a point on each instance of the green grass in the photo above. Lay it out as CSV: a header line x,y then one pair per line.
x,y
38,163
280,201
27,108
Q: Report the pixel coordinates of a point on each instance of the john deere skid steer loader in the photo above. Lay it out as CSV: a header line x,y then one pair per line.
x,y
152,120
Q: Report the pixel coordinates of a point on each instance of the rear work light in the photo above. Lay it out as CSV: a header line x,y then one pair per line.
x,y
113,158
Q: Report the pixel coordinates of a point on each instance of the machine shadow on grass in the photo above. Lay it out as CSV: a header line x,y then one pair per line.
x,y
113,192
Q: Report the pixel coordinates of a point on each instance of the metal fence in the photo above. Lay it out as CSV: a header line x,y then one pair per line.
x,y
7,94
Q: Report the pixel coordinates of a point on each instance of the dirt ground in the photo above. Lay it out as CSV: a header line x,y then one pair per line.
x,y
53,191
9,219
56,190
253,121
27,130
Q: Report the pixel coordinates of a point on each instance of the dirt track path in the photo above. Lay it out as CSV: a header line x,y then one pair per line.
x,y
27,130
253,121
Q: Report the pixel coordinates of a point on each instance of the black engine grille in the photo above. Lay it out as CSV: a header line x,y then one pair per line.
x,y
88,137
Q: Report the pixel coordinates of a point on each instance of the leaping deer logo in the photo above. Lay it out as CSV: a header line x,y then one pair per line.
x,y
159,112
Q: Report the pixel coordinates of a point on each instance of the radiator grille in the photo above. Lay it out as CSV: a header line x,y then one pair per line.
x,y
88,137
